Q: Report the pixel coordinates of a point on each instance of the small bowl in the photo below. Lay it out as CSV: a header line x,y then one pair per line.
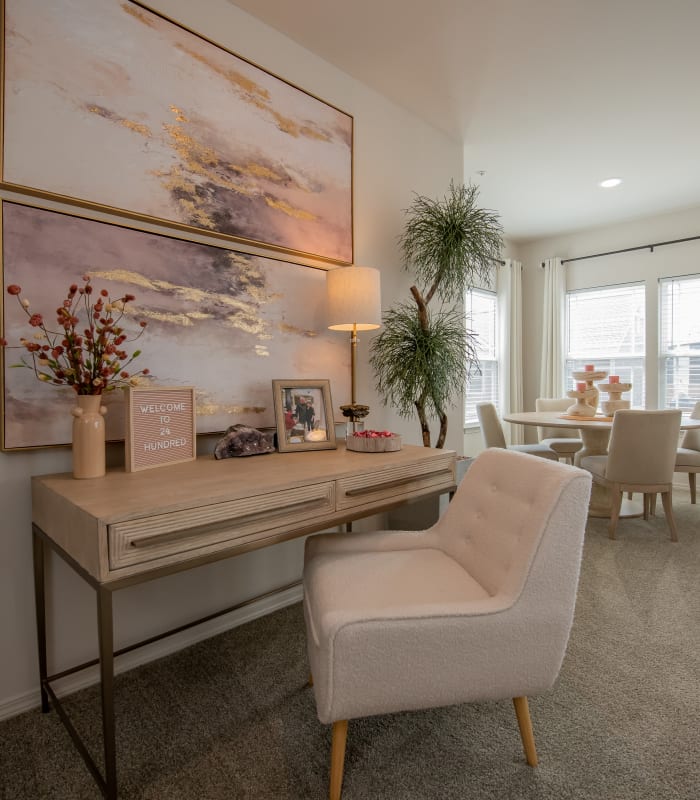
x,y
380,444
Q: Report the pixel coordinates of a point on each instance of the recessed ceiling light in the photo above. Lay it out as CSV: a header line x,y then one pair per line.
x,y
609,183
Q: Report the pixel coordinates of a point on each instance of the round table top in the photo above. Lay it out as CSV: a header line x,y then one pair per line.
x,y
553,419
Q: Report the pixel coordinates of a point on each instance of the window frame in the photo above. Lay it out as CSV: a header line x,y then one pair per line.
x,y
610,361
492,295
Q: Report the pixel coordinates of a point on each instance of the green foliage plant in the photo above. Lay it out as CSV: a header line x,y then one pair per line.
x,y
423,355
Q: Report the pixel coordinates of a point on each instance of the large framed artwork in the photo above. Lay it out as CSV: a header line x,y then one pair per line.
x,y
110,105
225,322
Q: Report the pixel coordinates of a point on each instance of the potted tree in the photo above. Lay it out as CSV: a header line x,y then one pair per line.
x,y
425,353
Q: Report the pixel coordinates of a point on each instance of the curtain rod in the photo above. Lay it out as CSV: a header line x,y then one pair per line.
x,y
649,247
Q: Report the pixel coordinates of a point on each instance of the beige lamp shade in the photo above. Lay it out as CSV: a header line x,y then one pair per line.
x,y
353,299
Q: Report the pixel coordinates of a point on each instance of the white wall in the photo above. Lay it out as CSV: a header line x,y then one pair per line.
x,y
680,259
395,154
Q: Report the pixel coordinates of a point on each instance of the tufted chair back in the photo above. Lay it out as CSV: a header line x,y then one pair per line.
x,y
504,508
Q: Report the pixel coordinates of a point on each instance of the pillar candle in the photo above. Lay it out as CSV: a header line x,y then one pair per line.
x,y
580,387
589,367
613,379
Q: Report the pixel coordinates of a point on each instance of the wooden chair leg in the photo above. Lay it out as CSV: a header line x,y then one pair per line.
x,y
691,485
311,679
646,504
338,738
615,505
522,712
652,504
667,500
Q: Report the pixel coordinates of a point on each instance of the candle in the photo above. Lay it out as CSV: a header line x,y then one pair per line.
x,y
581,387
589,367
613,379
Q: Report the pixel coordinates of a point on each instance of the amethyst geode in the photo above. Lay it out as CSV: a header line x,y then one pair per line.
x,y
241,440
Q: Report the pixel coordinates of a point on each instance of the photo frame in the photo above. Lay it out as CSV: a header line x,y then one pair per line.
x,y
303,415
113,106
206,306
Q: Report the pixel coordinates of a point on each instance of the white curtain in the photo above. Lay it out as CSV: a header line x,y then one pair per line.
x,y
510,309
552,363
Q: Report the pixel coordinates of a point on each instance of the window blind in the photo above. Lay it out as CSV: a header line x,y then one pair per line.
x,y
605,326
679,342
482,319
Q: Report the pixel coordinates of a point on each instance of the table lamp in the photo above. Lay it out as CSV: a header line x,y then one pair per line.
x,y
353,304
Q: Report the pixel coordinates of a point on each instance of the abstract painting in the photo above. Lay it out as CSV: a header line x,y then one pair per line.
x,y
113,106
225,322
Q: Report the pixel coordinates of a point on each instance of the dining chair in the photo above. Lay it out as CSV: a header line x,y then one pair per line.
x,y
564,441
688,454
478,607
641,458
492,433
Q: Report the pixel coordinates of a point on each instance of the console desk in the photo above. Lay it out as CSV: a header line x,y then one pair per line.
x,y
127,528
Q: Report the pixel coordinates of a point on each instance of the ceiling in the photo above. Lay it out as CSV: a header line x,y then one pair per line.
x,y
548,96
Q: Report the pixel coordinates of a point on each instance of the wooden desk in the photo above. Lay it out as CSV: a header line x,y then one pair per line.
x,y
127,528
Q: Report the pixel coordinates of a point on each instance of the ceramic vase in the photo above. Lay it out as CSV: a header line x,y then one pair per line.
x,y
88,437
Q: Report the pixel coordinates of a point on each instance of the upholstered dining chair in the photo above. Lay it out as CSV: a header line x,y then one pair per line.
x,y
688,454
641,458
478,607
492,433
564,441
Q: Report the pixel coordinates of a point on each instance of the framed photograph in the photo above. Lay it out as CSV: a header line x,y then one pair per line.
x,y
160,426
304,415
110,105
223,321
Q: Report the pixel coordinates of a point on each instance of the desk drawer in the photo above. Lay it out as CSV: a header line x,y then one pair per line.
x,y
395,482
179,535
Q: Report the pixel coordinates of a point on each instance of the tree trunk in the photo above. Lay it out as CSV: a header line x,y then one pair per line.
x,y
422,307
425,428
443,428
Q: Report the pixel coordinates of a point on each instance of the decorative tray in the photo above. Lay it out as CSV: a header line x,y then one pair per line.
x,y
380,442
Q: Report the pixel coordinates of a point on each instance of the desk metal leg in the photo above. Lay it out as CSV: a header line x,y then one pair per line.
x,y
106,644
40,604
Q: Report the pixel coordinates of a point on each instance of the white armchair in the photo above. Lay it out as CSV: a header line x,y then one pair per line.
x,y
477,607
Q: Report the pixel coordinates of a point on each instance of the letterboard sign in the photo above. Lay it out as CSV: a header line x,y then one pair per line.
x,y
160,427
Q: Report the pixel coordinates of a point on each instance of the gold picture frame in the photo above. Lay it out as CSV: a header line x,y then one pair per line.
x,y
157,123
303,415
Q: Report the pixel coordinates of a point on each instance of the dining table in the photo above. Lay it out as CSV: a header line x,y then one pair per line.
x,y
595,435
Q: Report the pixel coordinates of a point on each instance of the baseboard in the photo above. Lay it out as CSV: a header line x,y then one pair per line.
x,y
165,647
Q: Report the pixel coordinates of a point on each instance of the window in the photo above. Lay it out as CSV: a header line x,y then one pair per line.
x,y
482,319
605,327
679,345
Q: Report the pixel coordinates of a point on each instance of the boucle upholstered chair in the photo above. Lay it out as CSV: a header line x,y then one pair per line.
x,y
564,441
641,457
688,454
477,607
492,432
